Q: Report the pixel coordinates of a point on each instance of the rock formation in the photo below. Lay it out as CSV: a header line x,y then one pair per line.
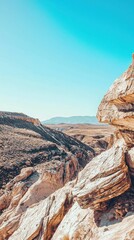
x,y
98,204
104,178
117,106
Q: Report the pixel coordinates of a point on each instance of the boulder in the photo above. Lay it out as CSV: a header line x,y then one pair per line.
x,y
104,178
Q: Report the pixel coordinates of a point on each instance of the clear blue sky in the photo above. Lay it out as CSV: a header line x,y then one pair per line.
x,y
59,57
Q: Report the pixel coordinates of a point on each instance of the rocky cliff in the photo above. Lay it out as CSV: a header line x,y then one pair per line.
x,y
98,204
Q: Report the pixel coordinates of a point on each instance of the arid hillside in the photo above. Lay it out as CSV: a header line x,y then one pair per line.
x,y
25,142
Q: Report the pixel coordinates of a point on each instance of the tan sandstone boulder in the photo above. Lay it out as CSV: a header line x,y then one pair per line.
x,y
117,106
104,178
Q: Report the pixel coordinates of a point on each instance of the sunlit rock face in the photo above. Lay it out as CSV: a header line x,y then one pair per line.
x,y
104,178
106,183
117,106
108,176
98,204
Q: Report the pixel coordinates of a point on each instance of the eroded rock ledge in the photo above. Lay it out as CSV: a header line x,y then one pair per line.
x,y
103,178
117,106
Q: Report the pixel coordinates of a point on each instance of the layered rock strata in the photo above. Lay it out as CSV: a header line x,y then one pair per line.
x,y
103,178
117,106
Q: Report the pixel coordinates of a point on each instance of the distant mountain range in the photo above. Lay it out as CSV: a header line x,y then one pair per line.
x,y
72,120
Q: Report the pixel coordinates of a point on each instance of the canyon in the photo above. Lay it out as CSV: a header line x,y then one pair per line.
x,y
99,137
54,186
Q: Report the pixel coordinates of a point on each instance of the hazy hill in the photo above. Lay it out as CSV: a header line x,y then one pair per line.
x,y
72,120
